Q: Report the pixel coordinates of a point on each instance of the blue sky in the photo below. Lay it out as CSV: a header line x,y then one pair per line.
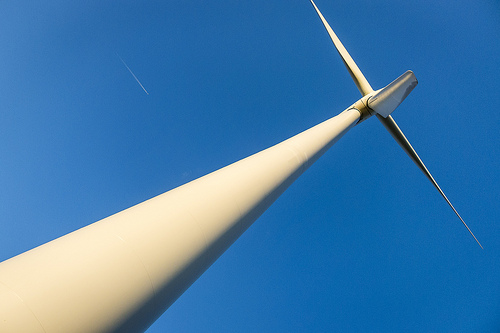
x,y
362,242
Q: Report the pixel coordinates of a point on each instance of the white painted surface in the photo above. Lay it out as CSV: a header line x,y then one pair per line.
x,y
121,273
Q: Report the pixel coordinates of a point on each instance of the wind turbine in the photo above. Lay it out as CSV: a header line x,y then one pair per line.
x,y
383,102
121,273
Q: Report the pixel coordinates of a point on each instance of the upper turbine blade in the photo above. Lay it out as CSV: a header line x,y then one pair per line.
x,y
398,135
358,77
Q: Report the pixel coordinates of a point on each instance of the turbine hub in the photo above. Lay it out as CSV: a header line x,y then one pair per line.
x,y
362,106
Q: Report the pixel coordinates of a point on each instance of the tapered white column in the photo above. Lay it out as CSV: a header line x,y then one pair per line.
x,y
121,273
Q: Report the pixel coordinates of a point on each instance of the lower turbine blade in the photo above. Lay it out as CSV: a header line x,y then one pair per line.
x,y
398,135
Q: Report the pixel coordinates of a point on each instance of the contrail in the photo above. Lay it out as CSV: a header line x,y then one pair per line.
x,y
135,77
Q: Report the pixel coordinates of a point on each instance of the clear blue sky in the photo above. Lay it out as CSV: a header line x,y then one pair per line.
x,y
362,242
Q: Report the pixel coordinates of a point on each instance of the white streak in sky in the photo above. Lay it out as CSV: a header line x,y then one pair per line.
x,y
135,77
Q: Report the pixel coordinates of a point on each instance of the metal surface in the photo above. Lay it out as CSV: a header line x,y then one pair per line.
x,y
121,273
387,99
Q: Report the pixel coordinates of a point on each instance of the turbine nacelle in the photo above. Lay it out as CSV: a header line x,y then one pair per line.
x,y
384,101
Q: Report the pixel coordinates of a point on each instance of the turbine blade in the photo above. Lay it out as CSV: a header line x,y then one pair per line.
x,y
358,77
398,135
